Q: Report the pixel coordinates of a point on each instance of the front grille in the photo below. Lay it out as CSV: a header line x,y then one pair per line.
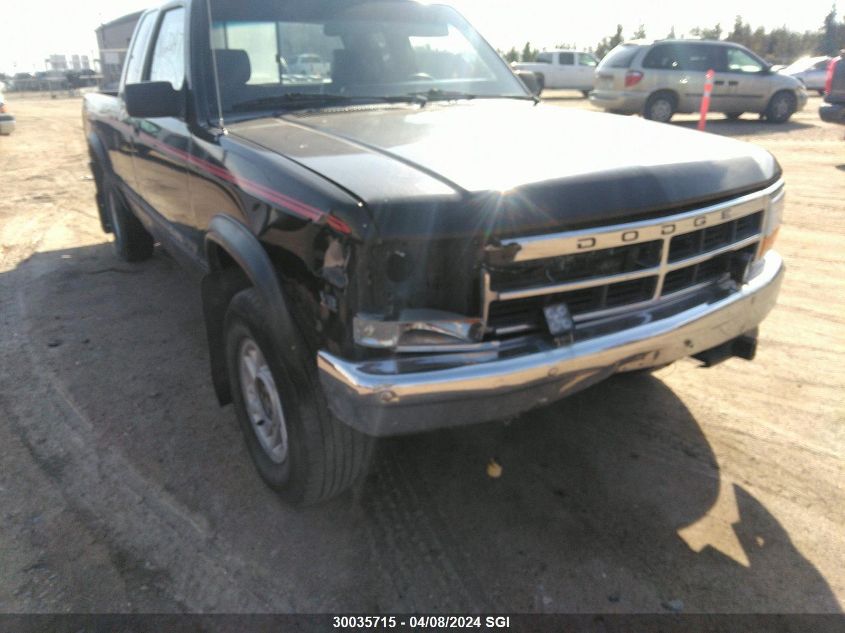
x,y
619,269
714,237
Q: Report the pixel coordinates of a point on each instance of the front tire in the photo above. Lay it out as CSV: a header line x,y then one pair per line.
x,y
132,242
298,447
660,107
781,108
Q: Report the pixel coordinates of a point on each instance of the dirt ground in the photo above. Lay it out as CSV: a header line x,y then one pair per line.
x,y
124,488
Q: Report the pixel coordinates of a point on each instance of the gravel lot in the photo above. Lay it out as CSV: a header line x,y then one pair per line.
x,y
124,488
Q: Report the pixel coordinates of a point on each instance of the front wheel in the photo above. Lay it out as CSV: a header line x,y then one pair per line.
x,y
733,116
300,449
781,108
660,107
586,93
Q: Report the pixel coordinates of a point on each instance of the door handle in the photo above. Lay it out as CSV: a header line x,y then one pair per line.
x,y
719,83
733,83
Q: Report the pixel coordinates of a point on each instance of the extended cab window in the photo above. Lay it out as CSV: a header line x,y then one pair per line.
x,y
566,59
135,62
168,62
545,58
741,62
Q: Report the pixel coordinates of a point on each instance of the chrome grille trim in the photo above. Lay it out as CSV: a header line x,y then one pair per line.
x,y
569,243
533,248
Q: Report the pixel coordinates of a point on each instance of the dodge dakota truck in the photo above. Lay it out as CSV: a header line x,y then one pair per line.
x,y
415,241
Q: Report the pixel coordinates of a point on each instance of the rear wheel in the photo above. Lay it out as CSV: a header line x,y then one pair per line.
x,y
300,449
586,93
733,116
781,107
541,84
132,242
660,107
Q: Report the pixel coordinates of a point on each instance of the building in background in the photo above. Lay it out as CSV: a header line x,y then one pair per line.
x,y
113,39
58,62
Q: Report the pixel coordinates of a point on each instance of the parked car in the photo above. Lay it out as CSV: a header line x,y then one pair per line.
x,y
833,109
562,70
7,121
381,256
662,78
310,64
810,71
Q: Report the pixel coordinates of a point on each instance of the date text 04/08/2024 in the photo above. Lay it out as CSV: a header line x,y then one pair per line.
x,y
421,622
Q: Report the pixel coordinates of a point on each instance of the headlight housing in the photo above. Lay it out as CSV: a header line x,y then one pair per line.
x,y
773,220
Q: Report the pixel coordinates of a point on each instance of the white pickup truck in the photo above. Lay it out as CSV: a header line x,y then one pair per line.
x,y
562,70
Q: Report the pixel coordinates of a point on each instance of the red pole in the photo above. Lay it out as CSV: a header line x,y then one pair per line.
x,y
705,100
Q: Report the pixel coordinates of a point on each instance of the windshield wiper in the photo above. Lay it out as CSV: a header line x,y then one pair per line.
x,y
305,100
436,94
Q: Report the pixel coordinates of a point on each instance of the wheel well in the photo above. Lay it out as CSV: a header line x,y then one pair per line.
x,y
99,174
669,93
783,91
225,279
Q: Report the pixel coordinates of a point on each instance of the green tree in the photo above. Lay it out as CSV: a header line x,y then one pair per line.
x,y
640,33
529,54
830,34
609,43
741,33
512,55
708,34
672,35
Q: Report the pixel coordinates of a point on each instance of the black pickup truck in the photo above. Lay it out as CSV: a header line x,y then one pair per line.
x,y
833,109
395,236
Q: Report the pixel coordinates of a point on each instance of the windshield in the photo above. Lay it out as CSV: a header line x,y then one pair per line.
x,y
272,55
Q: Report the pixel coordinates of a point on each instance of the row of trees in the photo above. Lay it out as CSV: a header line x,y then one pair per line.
x,y
778,46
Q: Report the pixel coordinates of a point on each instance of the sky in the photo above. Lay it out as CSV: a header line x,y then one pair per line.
x,y
31,30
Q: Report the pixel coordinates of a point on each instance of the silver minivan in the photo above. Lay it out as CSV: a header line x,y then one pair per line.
x,y
658,79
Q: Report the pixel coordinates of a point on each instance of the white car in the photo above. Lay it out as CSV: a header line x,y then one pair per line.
x,y
7,121
810,71
562,70
310,65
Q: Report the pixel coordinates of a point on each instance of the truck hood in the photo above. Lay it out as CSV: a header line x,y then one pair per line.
x,y
564,167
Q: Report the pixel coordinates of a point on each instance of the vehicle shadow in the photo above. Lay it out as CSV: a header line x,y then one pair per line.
x,y
749,125
585,516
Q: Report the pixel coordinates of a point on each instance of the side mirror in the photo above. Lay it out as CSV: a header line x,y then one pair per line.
x,y
530,80
152,100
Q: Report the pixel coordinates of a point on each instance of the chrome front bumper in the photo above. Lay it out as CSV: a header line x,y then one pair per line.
x,y
370,398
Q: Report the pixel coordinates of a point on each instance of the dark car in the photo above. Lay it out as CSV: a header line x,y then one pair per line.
x,y
410,241
833,109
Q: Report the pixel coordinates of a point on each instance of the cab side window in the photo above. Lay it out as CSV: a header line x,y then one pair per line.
x,y
566,59
168,62
585,59
135,62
